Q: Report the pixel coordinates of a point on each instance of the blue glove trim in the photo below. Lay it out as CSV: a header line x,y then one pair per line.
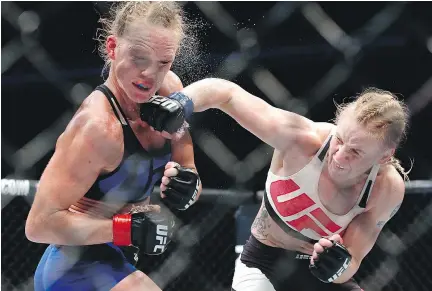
x,y
185,101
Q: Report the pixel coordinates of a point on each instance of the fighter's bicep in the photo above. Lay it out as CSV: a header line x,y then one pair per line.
x,y
364,230
276,127
361,235
80,156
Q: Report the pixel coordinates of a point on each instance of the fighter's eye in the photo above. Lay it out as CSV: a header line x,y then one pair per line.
x,y
139,59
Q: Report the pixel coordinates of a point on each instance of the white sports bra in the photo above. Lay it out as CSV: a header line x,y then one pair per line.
x,y
294,204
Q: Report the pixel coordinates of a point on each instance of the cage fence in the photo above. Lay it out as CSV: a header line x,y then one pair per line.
x,y
341,48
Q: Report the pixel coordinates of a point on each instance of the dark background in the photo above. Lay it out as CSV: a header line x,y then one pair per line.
x,y
35,93
398,60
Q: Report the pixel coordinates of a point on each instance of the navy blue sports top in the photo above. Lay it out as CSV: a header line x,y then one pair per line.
x,y
133,180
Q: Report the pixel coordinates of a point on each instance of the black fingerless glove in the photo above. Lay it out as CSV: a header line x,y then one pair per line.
x,y
331,263
167,113
182,190
151,232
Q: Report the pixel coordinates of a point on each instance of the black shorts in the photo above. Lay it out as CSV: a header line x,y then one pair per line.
x,y
265,268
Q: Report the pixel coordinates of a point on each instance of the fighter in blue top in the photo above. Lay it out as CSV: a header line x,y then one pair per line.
x,y
93,196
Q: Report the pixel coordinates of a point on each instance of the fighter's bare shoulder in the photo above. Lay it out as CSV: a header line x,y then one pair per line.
x,y
389,189
395,186
323,129
95,125
313,139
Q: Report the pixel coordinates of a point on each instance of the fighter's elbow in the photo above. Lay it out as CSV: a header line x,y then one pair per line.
x,y
38,228
34,230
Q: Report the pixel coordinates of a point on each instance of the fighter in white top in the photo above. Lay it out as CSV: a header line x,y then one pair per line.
x,y
330,188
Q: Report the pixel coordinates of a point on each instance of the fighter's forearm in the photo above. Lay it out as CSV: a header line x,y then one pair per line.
x,y
210,93
68,228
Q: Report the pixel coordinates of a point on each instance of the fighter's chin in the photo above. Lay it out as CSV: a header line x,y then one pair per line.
x,y
337,173
140,97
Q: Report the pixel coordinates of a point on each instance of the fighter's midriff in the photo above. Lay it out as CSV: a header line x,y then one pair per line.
x,y
103,209
269,233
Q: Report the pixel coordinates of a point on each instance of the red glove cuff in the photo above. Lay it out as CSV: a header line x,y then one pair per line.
x,y
122,224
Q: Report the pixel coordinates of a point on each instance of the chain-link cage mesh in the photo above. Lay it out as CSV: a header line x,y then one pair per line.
x,y
298,56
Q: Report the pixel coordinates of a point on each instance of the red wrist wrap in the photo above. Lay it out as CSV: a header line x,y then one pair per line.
x,y
122,229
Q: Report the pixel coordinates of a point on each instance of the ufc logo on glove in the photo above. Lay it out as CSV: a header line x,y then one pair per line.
x,y
165,102
340,271
161,237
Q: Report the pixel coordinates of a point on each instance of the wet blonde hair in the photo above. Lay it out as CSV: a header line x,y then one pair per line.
x,y
166,14
383,115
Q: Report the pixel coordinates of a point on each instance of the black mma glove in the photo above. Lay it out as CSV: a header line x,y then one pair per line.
x,y
150,231
167,113
331,263
182,190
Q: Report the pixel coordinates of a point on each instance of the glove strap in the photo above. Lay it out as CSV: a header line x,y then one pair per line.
x,y
185,101
195,194
122,224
